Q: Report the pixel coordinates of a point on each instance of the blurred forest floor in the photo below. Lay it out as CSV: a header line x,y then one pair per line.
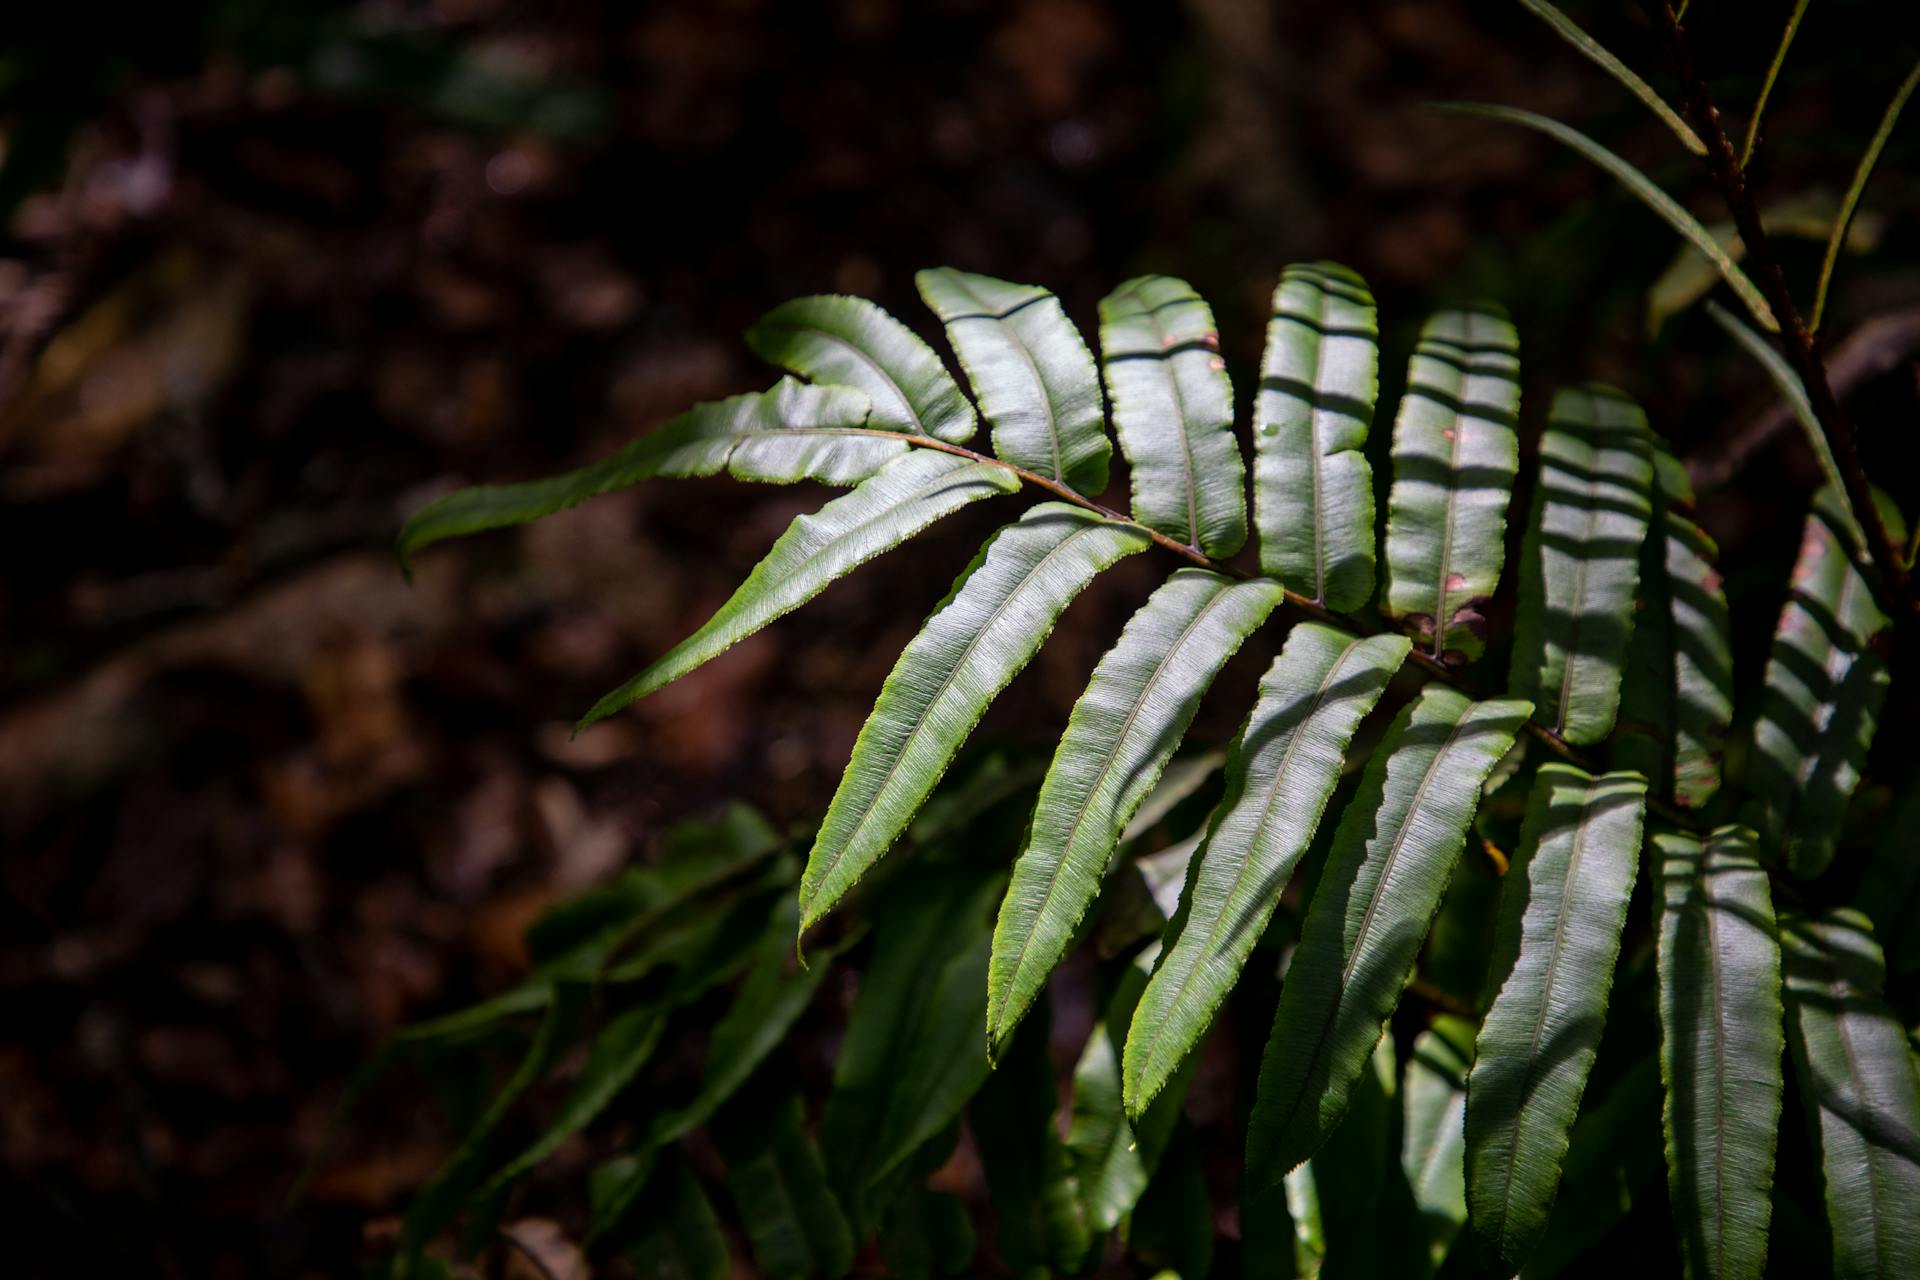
x,y
270,281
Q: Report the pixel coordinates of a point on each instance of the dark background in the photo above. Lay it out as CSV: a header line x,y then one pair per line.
x,y
272,276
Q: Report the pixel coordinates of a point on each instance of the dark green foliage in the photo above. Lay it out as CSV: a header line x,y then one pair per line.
x,y
1473,1127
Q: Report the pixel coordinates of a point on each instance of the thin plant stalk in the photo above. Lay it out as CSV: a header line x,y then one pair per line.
x,y
1861,176
1766,87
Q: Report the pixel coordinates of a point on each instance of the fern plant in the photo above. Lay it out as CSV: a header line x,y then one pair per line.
x,y
1466,855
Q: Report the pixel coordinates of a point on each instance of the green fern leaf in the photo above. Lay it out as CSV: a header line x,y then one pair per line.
x,y
1280,774
780,1187
1029,1172
681,1238
1173,411
453,1183
1359,1192
1612,1167
1171,1230
1454,456
1433,1150
1563,904
1580,562
1857,1075
850,342
1312,485
995,621
619,1051
1720,1046
905,497
1031,371
911,1055
1391,856
791,432
1824,686
1113,1159
1676,706
1125,726
769,1002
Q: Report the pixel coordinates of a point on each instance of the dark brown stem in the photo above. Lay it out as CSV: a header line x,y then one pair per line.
x,y
1432,667
1795,340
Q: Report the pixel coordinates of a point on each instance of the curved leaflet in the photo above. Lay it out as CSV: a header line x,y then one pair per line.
x,y
1598,54
1678,702
1643,187
1312,485
1563,904
1857,1076
994,622
774,1172
1281,772
1454,457
1030,370
1133,714
1433,1148
791,432
911,1055
1720,1046
1173,411
906,496
1391,857
850,342
1580,562
1824,686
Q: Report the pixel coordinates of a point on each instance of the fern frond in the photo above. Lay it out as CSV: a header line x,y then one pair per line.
x,y
1391,856
1855,1070
1281,772
887,509
791,432
1313,487
1173,411
850,342
990,627
774,1171
1433,1144
1031,372
1721,1039
1823,689
1890,890
911,1056
1677,703
682,1236
1580,562
1123,730
1455,452
1563,903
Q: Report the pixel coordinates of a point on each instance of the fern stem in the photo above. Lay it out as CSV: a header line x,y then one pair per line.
x,y
1429,665
1844,218
1724,165
1766,87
